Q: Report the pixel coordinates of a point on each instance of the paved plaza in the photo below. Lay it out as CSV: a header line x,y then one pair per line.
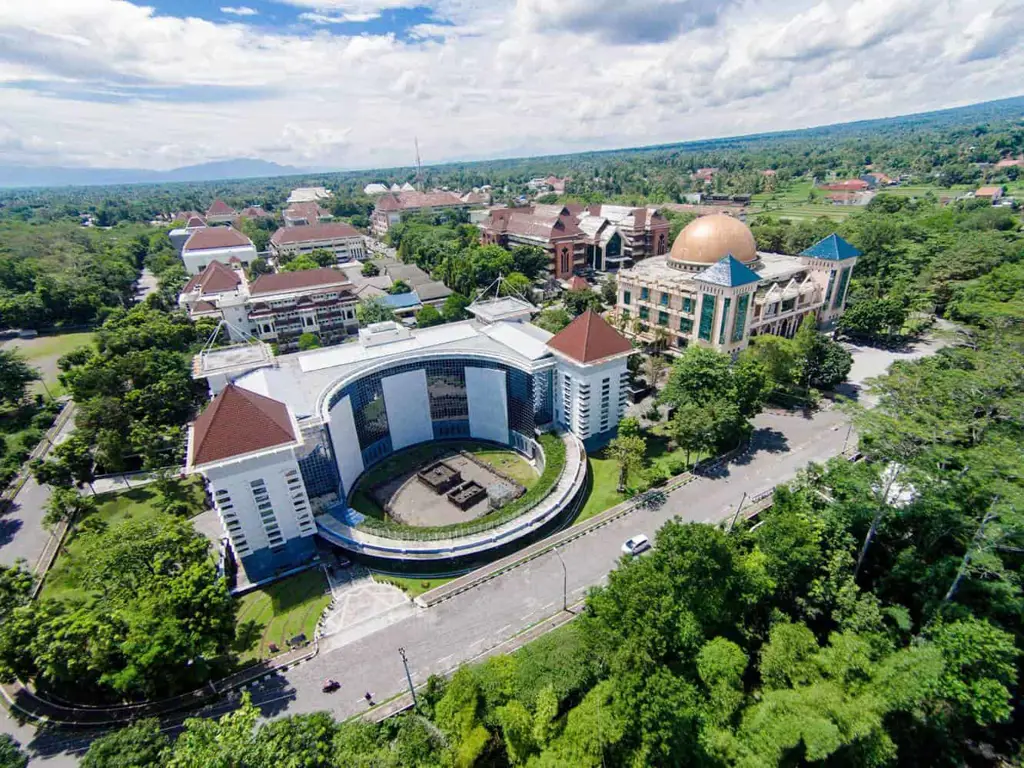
x,y
413,503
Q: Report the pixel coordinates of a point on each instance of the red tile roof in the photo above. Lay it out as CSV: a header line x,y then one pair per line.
x,y
578,284
220,208
310,211
988,191
849,185
195,222
254,212
293,281
237,422
216,237
287,235
589,338
400,201
216,278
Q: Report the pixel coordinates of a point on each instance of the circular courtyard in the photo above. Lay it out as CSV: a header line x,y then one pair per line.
x,y
444,484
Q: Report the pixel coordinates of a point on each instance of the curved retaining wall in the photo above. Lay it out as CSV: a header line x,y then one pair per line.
x,y
462,552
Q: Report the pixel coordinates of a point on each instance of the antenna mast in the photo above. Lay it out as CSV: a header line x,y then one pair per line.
x,y
419,166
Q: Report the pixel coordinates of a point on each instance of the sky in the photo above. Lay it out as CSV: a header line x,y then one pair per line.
x,y
337,84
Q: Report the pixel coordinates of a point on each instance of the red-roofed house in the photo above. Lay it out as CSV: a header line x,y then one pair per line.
x,y
391,207
305,214
245,445
592,378
220,213
341,239
989,193
223,244
849,185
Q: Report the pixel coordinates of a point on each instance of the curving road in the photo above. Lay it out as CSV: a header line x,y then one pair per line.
x,y
468,625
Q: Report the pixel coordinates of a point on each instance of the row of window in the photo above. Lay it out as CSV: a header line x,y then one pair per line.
x,y
664,300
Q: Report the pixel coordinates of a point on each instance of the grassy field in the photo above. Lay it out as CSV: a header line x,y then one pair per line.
x,y
602,482
412,587
279,612
63,580
44,351
511,464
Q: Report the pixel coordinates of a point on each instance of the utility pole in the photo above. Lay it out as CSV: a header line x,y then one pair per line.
x,y
737,515
408,677
565,580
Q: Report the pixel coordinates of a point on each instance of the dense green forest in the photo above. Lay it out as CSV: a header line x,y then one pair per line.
x,y
871,617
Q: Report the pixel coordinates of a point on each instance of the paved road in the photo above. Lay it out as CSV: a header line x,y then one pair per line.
x,y
22,535
146,284
466,626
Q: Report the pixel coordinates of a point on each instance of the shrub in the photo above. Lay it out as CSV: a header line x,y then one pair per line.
x,y
676,467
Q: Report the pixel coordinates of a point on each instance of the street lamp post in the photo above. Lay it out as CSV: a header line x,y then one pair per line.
x,y
565,580
408,677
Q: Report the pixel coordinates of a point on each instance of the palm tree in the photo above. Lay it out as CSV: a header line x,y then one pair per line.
x,y
654,367
661,337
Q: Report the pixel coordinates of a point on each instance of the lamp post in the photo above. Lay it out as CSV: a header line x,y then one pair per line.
x,y
408,677
565,580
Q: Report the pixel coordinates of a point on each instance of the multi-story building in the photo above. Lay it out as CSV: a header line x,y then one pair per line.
x,y
209,244
305,214
275,308
716,289
391,207
290,433
341,239
309,194
285,305
220,213
603,237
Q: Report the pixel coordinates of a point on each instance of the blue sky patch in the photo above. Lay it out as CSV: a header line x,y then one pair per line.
x,y
283,17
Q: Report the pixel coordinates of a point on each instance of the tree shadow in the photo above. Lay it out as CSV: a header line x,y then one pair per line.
x,y
8,530
248,635
765,440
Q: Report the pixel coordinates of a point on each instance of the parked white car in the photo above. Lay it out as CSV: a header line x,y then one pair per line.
x,y
636,544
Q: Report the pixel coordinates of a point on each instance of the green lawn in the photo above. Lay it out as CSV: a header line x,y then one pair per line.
x,y
602,482
62,582
278,612
511,464
43,352
412,587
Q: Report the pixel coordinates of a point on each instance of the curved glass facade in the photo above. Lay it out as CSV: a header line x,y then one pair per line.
x,y
449,402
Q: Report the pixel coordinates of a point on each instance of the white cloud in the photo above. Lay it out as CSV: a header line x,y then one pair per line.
x,y
341,18
239,10
106,82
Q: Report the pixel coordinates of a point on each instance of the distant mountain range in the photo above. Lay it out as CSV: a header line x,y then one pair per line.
x,y
56,176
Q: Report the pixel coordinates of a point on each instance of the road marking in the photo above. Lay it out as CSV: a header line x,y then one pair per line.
x,y
502,630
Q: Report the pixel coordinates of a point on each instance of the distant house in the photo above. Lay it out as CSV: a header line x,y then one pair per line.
x,y
224,244
344,241
391,207
220,212
305,214
849,185
375,189
991,194
1011,162
706,175
253,212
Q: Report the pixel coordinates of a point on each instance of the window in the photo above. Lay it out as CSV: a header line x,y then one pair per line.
x,y
644,294
688,305
685,324
625,313
664,299
707,317
831,285
663,318
837,301
627,297
643,313
739,324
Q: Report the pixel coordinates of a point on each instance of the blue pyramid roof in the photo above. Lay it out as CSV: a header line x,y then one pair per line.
x,y
833,248
729,272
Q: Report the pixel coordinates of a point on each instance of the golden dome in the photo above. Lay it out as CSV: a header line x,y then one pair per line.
x,y
707,239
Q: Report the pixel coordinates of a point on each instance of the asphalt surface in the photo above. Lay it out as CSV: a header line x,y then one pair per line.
x,y
466,626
